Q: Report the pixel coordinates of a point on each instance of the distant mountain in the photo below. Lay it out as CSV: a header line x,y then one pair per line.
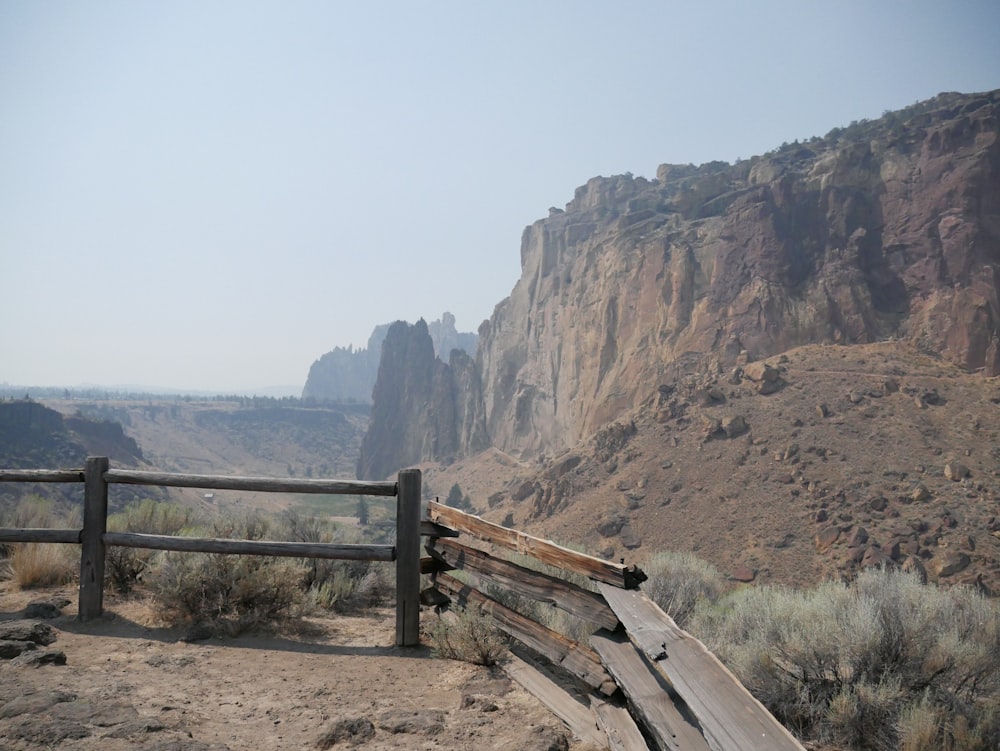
x,y
346,373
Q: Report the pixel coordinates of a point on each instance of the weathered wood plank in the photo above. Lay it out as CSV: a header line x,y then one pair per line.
x,y
40,535
623,734
564,595
730,717
262,484
648,694
41,475
546,551
578,718
577,659
433,529
251,547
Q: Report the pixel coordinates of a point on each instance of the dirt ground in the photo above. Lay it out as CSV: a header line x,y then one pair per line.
x,y
129,684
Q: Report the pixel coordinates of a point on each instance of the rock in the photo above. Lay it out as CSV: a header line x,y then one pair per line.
x,y
768,387
9,648
427,722
913,565
629,537
826,537
611,526
821,516
878,503
41,634
920,494
743,574
36,703
42,609
46,733
955,471
822,410
734,425
37,658
760,371
875,557
950,563
855,397
354,731
858,537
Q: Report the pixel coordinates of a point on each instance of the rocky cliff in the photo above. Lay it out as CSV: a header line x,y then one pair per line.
x,y
888,228
885,229
348,374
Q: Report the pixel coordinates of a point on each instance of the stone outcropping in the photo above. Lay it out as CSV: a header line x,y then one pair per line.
x,y
885,229
345,373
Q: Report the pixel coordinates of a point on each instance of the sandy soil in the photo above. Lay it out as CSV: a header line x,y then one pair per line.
x,y
130,685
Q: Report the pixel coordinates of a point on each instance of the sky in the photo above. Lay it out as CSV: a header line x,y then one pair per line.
x,y
210,195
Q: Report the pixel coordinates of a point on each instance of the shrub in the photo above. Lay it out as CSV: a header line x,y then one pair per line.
x,y
470,636
678,582
232,592
882,662
125,566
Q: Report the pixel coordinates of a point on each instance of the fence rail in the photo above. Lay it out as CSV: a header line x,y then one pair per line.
x,y
94,537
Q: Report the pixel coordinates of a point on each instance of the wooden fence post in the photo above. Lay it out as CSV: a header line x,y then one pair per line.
x,y
408,559
95,524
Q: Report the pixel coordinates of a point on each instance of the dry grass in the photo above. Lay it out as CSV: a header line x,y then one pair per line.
x,y
35,565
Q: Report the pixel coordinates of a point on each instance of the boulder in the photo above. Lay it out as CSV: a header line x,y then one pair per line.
x,y
950,563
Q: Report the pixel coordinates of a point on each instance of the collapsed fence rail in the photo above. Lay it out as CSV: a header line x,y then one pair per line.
x,y
94,537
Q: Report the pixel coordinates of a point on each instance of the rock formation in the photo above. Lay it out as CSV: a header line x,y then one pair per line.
x,y
346,373
885,229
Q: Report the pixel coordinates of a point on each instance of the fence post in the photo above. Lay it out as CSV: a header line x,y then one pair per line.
x,y
95,524
408,558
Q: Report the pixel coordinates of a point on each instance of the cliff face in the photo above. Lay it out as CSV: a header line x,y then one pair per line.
x,y
889,228
420,405
346,373
885,229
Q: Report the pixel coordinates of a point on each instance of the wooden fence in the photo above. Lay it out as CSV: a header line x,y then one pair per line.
x,y
678,695
94,537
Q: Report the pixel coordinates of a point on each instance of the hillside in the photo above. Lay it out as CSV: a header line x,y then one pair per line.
x,y
861,455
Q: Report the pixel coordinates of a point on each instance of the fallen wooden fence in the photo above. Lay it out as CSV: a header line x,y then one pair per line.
x,y
94,538
675,689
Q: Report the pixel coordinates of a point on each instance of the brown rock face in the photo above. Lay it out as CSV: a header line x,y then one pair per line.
x,y
888,228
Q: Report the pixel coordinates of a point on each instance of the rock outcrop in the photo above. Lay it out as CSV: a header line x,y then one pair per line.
x,y
420,405
885,229
346,373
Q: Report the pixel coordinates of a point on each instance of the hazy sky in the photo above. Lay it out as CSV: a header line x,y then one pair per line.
x,y
210,195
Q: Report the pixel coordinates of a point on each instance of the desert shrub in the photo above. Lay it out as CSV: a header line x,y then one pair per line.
x,y
338,585
235,592
678,582
470,636
867,666
35,564
125,566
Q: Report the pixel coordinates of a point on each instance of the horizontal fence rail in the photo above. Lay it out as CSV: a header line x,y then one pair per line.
x,y
94,537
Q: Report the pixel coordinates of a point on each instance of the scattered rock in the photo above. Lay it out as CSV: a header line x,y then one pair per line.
x,y
822,410
611,526
35,703
760,372
629,537
416,722
955,471
46,609
354,731
743,574
46,733
920,494
875,557
858,537
9,649
826,537
39,633
734,425
40,657
950,563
